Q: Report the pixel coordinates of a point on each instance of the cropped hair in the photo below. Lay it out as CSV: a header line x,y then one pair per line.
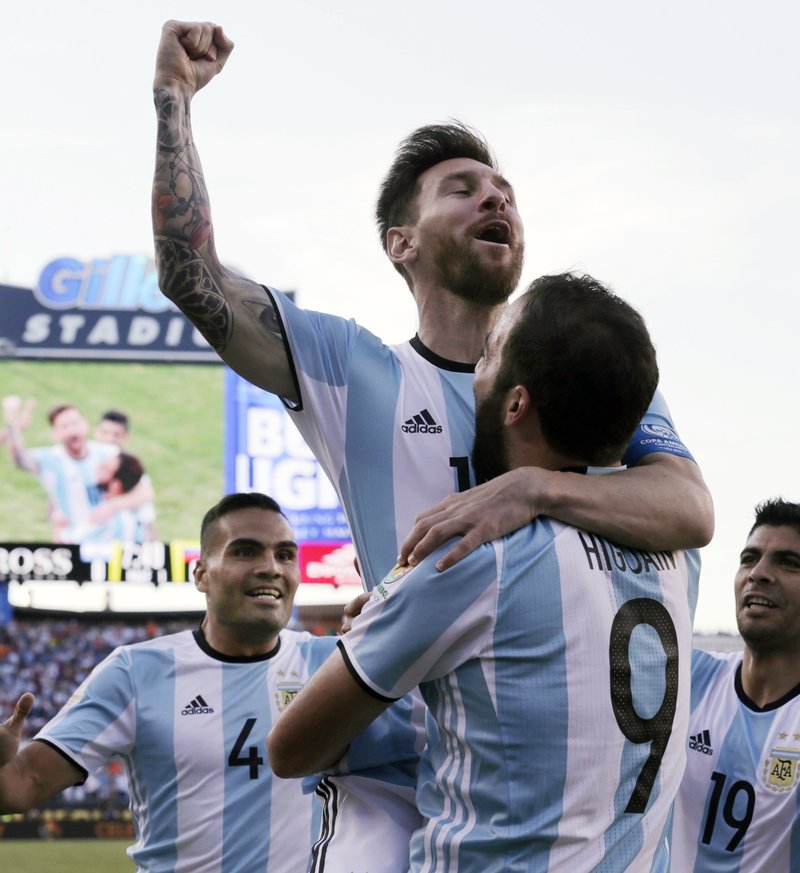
x,y
117,417
418,152
586,358
53,414
232,503
129,472
776,512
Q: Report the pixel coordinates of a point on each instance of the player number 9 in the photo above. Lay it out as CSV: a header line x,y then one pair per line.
x,y
657,729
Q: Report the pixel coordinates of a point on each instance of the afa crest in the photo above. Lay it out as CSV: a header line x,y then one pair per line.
x,y
781,769
286,693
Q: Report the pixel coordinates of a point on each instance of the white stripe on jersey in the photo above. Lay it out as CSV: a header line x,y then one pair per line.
x,y
422,387
199,812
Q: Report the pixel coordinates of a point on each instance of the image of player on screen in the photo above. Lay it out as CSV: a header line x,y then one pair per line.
x,y
117,475
68,470
115,427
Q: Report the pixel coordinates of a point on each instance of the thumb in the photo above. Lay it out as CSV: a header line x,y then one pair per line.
x,y
21,712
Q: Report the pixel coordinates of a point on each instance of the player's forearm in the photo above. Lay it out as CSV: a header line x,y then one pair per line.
x,y
189,271
235,315
141,493
315,731
22,788
663,503
19,454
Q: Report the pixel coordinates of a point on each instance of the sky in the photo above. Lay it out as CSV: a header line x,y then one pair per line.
x,y
651,145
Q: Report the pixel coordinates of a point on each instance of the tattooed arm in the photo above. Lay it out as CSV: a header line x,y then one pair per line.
x,y
234,314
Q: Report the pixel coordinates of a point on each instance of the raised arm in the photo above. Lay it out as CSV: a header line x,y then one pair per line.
x,y
235,315
17,417
662,503
36,773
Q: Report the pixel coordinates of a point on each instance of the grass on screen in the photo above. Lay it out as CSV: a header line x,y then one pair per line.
x,y
65,856
176,413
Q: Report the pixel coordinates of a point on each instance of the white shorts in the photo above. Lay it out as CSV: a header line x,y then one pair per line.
x,y
366,826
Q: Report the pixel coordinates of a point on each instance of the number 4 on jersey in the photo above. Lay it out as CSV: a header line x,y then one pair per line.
x,y
252,760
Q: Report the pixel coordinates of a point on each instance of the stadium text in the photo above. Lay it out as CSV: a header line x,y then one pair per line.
x,y
119,282
108,330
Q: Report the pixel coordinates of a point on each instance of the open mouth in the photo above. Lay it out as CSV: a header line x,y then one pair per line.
x,y
264,594
497,232
755,603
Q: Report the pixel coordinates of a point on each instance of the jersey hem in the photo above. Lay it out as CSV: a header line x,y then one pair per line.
x,y
66,757
354,673
292,405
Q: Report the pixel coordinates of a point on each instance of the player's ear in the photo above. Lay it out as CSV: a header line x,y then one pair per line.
x,y
518,405
400,245
201,576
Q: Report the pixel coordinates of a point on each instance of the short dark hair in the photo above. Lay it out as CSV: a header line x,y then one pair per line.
x,y
117,417
129,472
418,152
233,502
53,414
586,358
777,512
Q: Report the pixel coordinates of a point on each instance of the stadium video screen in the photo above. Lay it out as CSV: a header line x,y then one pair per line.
x,y
125,495
175,414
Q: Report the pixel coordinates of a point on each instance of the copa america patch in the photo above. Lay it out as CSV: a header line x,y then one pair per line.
x,y
659,430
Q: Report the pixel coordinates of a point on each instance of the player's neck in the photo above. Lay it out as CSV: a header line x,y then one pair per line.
x,y
237,642
77,453
454,328
769,676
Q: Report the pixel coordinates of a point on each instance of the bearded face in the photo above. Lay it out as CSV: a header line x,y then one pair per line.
x,y
489,454
468,275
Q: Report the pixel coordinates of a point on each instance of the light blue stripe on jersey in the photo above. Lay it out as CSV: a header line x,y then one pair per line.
x,y
369,499
705,672
153,778
521,598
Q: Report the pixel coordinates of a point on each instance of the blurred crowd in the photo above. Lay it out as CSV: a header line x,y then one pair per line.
x,y
51,657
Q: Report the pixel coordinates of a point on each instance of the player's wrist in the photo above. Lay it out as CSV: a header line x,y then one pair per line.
x,y
170,88
545,491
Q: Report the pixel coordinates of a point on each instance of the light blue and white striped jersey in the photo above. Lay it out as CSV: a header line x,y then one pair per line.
x,y
392,426
191,725
556,667
71,483
738,808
